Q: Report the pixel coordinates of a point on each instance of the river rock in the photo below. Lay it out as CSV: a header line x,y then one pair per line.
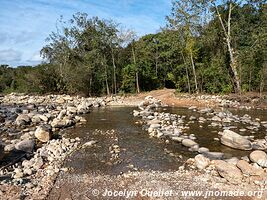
x,y
203,150
43,133
213,155
259,157
23,119
25,145
206,110
188,143
136,113
248,169
155,126
9,147
234,140
72,109
57,123
228,171
216,118
177,139
154,121
233,160
201,161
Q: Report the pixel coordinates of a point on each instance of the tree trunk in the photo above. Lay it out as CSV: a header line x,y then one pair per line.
x,y
106,76
187,75
114,71
106,80
90,85
194,71
136,74
227,33
157,63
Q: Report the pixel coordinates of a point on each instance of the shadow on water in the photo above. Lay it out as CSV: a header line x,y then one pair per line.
x,y
137,149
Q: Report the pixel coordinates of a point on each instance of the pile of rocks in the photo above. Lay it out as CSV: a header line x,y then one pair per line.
x,y
27,118
167,126
37,174
30,126
250,169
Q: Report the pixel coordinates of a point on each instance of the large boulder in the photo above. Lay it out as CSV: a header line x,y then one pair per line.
x,y
259,157
234,140
25,145
23,119
43,133
228,171
248,169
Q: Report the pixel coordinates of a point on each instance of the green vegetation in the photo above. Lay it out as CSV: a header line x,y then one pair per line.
x,y
204,47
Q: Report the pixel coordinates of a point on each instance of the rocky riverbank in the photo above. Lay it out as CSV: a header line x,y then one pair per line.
x,y
33,145
250,170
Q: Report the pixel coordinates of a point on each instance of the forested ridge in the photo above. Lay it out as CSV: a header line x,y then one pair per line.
x,y
205,47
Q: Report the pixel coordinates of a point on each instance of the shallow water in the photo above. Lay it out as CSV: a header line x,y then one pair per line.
x,y
137,148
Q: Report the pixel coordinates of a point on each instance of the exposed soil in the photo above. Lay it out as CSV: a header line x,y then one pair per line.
x,y
169,97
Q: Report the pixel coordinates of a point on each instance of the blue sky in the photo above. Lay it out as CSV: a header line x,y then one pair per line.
x,y
25,24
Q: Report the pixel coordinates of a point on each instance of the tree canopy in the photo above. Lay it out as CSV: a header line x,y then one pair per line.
x,y
206,46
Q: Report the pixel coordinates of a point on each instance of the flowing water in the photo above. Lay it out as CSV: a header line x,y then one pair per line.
x,y
138,151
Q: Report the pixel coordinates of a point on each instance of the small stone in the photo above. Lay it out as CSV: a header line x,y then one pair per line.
x,y
188,142
43,133
25,145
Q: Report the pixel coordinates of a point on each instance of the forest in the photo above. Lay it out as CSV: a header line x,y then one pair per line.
x,y
205,47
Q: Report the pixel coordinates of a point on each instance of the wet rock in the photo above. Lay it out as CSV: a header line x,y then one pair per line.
x,y
201,161
228,171
194,148
23,119
214,155
25,145
259,157
43,133
188,143
234,140
90,143
203,150
177,139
